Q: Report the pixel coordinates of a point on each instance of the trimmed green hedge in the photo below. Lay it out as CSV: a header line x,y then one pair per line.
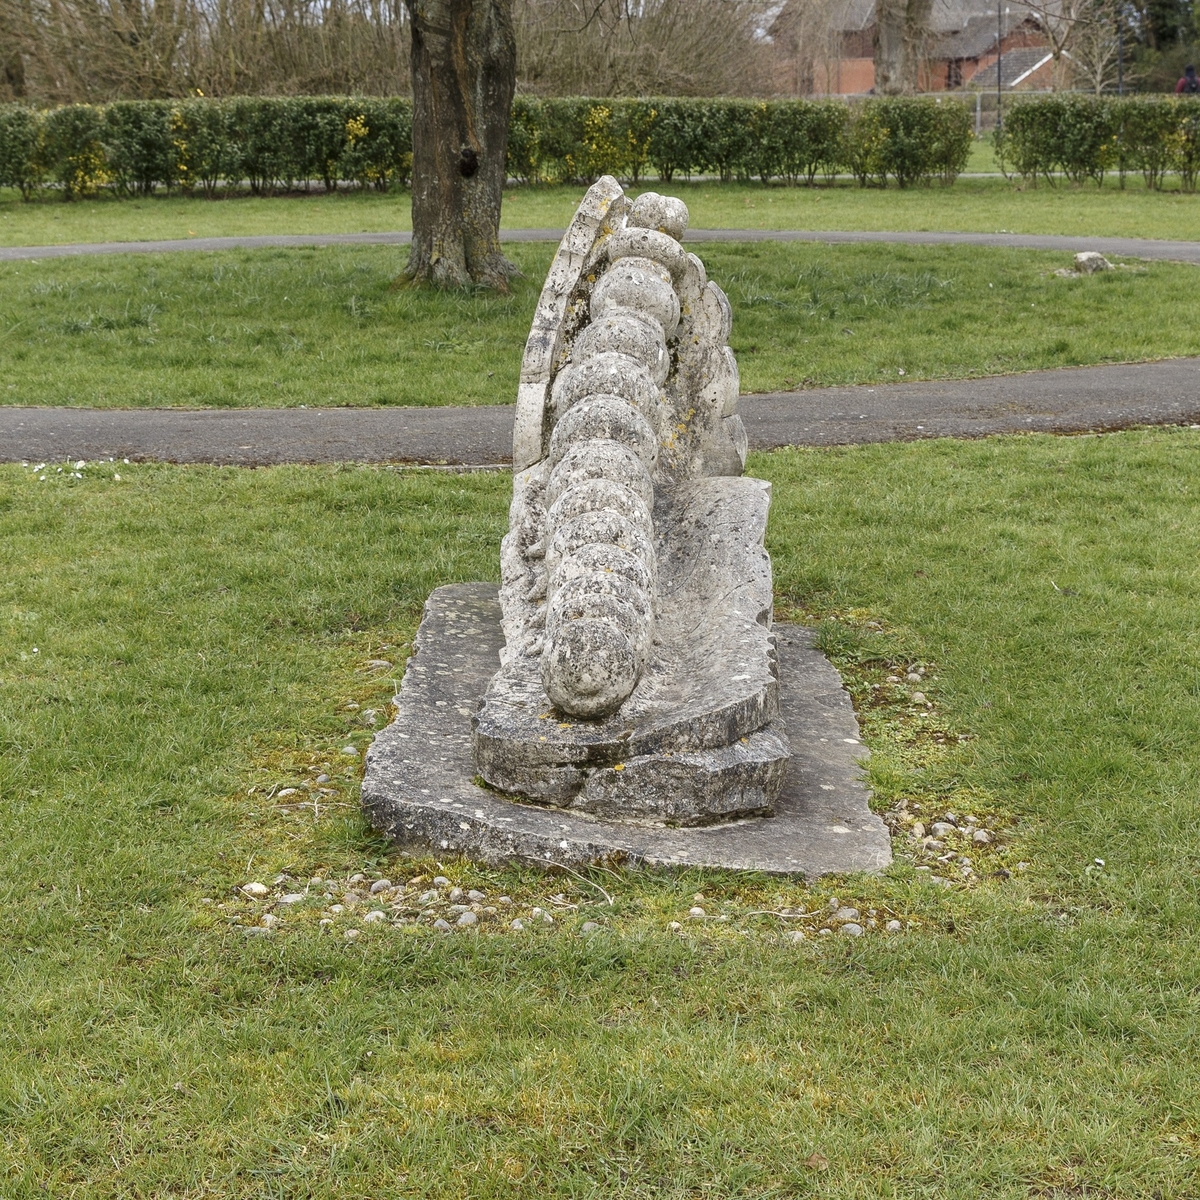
x,y
910,140
270,143
1083,137
279,143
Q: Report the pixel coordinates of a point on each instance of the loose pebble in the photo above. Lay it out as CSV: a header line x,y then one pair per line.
x,y
456,895
270,920
918,697
256,891
375,917
893,927
845,915
256,931
981,837
517,925
797,935
337,908
851,929
674,927
442,924
696,913
468,918
291,898
380,885
325,924
824,930
287,792
476,897
941,829
589,927
460,908
913,677
352,934
440,881
428,897
349,751
918,830
359,878
322,778
505,900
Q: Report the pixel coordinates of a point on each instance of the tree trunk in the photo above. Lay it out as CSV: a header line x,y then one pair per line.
x,y
917,15
464,66
901,30
889,46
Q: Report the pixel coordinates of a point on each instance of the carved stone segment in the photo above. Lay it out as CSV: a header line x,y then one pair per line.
x,y
712,678
695,787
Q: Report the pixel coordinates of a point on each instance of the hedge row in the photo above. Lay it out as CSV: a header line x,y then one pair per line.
x,y
909,140
273,143
134,146
1086,136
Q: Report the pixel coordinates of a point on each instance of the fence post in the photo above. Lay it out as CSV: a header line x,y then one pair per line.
x,y
978,115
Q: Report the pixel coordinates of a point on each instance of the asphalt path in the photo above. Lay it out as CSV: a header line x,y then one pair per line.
x,y
1064,401
1119,247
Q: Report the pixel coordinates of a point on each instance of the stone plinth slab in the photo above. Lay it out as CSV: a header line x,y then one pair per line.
x,y
419,787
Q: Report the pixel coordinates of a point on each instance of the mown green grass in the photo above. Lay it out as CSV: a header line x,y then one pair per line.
x,y
980,205
199,632
324,327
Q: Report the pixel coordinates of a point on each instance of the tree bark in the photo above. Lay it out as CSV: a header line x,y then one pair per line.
x,y
464,68
901,30
889,46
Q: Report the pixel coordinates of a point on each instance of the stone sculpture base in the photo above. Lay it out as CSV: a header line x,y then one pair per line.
x,y
694,741
420,790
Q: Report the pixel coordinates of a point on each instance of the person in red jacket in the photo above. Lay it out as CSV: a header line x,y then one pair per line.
x,y
1188,85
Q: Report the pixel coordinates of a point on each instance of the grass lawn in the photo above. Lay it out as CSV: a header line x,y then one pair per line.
x,y
179,645
322,327
981,204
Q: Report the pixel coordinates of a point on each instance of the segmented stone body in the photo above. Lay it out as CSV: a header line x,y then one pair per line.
x,y
599,497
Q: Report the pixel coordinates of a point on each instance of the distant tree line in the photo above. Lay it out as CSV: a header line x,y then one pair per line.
x,y
94,51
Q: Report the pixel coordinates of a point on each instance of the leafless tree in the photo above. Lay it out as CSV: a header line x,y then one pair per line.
x,y
464,56
901,39
643,47
1094,47
808,44
1058,20
60,51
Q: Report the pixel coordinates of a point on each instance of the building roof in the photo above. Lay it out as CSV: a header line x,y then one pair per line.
x,y
976,38
947,16
1017,66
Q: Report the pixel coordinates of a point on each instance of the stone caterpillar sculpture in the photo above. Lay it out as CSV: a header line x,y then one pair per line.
x,y
636,593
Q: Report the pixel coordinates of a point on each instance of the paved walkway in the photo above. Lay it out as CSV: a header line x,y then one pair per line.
x,y
1120,247
1069,401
